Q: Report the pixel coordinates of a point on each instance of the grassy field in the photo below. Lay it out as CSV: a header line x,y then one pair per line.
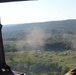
x,y
68,60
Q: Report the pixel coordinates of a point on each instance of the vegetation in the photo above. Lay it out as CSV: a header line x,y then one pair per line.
x,y
35,63
47,48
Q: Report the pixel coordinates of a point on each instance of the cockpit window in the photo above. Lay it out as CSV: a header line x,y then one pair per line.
x,y
39,37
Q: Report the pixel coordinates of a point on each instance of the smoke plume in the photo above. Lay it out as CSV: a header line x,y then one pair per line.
x,y
34,40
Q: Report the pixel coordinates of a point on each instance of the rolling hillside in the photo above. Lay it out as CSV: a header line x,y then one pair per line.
x,y
18,31
45,48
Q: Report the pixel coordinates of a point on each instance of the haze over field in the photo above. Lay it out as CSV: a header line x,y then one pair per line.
x,y
42,35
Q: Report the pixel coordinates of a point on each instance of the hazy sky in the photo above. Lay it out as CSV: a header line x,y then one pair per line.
x,y
37,11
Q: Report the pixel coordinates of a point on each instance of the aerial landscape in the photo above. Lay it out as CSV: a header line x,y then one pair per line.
x,y
39,37
41,48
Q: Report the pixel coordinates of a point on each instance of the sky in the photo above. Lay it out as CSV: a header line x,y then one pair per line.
x,y
37,11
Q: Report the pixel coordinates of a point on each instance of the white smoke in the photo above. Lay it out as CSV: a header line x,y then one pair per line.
x,y
34,40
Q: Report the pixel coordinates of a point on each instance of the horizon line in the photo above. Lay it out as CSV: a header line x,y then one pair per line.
x,y
36,22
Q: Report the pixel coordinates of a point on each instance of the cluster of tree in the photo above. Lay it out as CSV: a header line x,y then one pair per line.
x,y
10,46
59,43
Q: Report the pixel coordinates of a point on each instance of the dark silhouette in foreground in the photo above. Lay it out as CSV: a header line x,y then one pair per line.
x,y
4,68
2,1
71,72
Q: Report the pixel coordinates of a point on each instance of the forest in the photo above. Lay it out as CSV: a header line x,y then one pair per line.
x,y
44,48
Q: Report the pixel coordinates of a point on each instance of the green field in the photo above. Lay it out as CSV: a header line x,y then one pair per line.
x,y
45,48
28,60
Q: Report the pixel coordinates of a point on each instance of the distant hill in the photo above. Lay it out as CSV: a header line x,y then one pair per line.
x,y
18,31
